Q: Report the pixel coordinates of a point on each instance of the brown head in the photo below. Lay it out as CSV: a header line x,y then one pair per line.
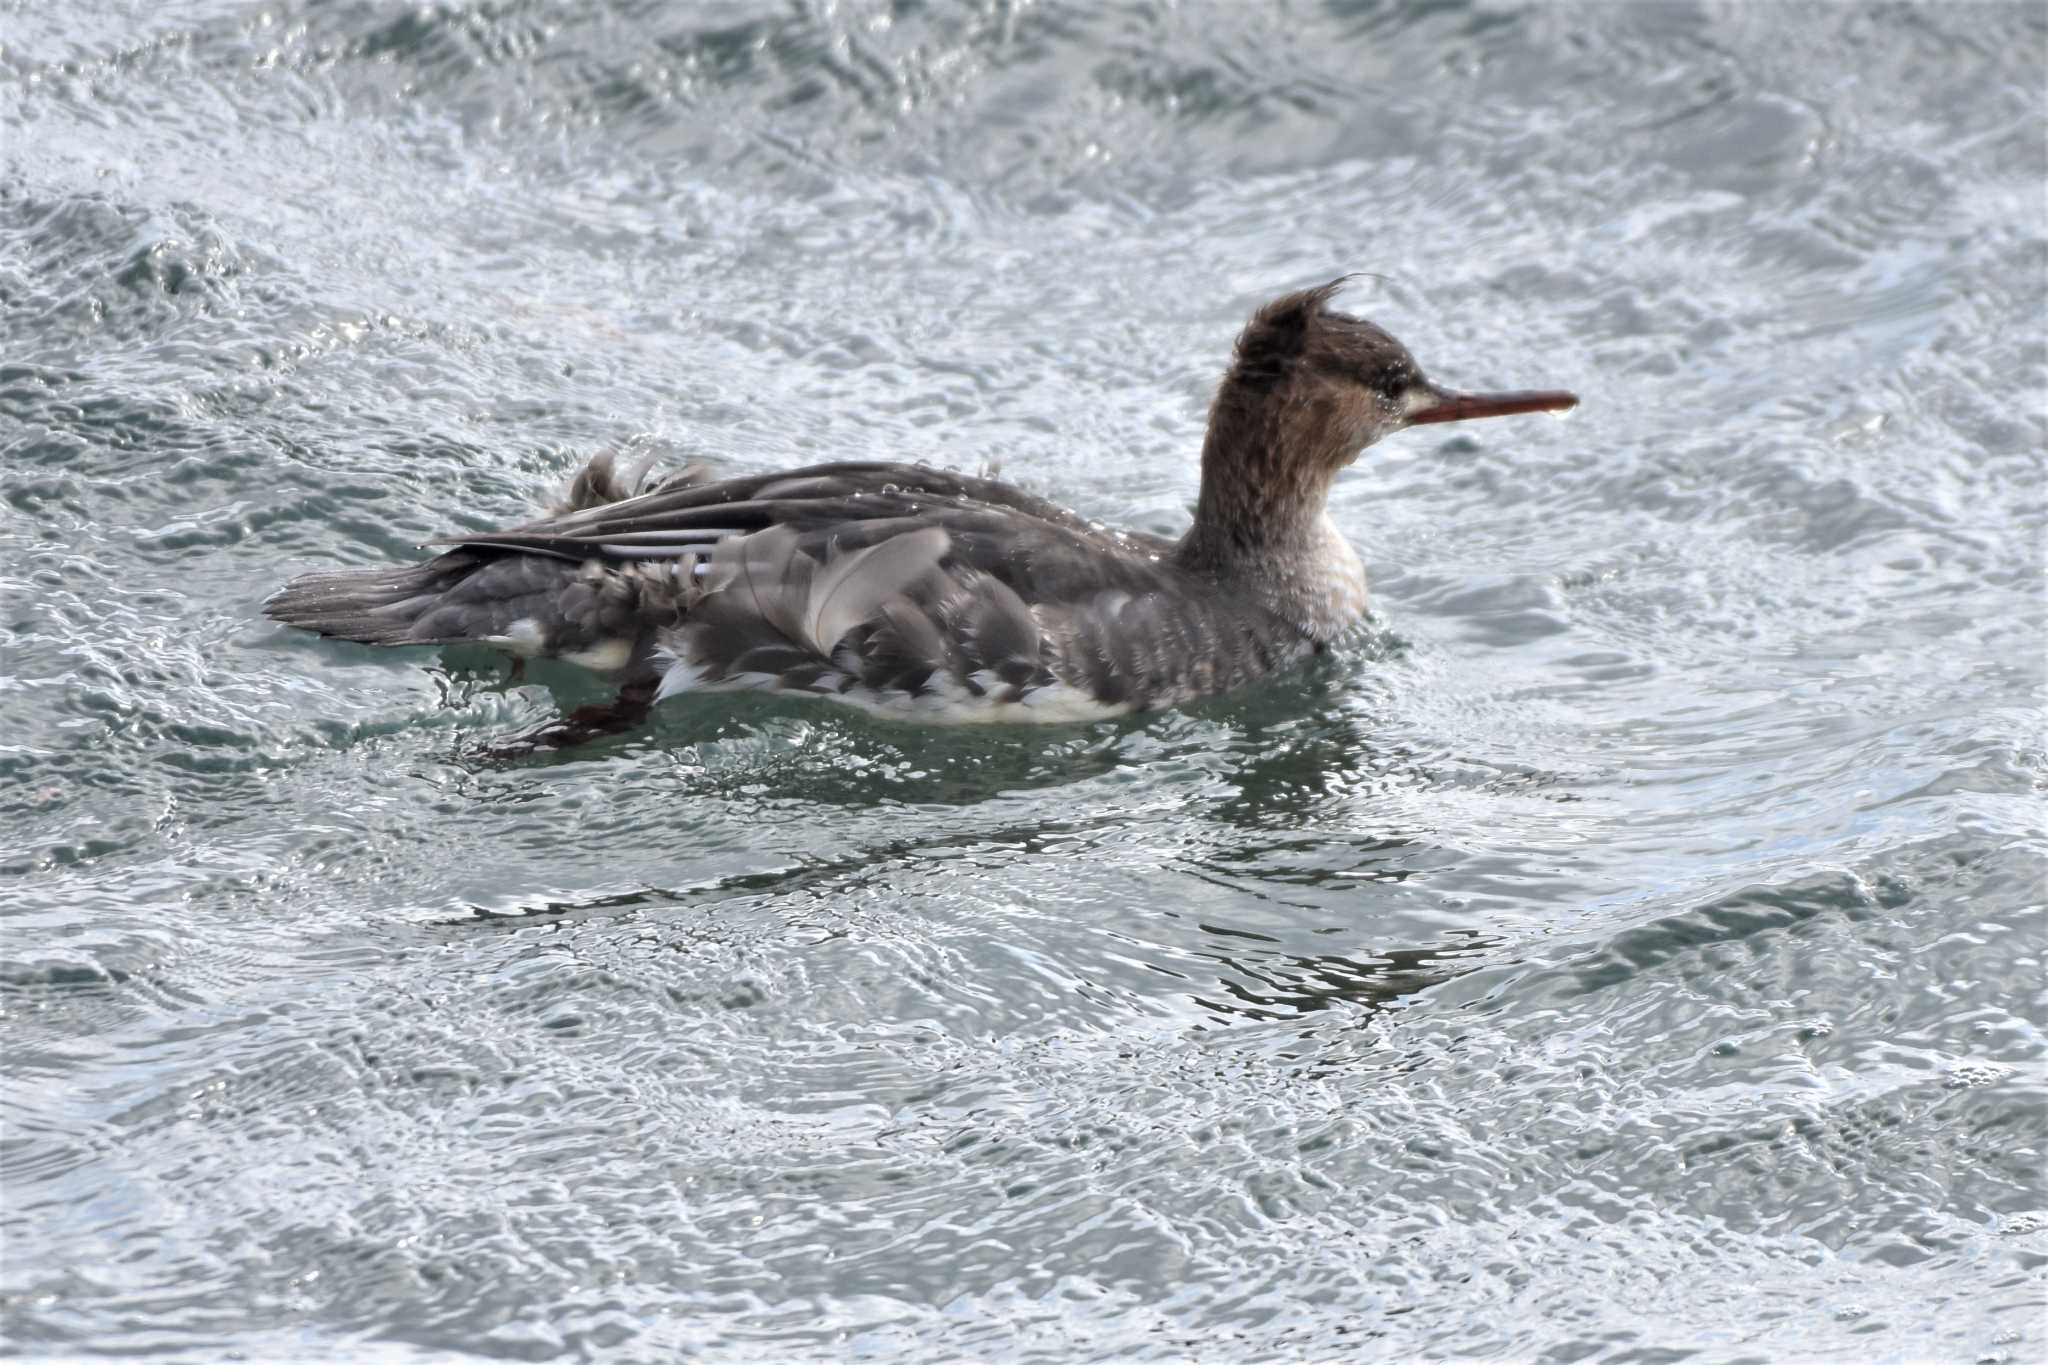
x,y
1309,388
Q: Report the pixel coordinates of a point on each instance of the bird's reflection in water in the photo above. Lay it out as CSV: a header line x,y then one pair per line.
x,y
1289,803
1328,832
1280,986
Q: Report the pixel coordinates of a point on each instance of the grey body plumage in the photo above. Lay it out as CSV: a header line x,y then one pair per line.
x,y
913,591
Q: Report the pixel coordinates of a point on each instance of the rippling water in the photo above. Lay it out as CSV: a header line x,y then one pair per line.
x,y
1632,949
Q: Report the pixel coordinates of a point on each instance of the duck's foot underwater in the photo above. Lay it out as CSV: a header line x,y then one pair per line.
x,y
586,723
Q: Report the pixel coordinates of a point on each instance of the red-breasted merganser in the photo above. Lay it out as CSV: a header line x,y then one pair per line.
x,y
916,593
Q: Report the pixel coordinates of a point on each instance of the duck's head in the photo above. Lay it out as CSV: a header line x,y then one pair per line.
x,y
1309,388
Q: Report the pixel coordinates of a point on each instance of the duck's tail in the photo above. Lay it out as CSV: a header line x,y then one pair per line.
x,y
379,606
530,603
523,603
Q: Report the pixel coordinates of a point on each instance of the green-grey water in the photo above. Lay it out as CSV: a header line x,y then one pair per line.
x,y
1631,949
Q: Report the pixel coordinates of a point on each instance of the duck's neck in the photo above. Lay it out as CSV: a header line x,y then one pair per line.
x,y
1261,526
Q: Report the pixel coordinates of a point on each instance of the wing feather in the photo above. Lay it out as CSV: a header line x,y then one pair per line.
x,y
854,587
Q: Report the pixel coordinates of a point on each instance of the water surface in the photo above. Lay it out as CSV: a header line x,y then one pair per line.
x,y
1631,949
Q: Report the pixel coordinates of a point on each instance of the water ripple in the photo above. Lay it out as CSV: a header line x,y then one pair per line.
x,y
1628,946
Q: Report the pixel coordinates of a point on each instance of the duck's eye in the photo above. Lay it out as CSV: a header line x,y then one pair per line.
x,y
1391,380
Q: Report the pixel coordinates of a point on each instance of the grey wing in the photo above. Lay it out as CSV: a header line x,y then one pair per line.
x,y
899,585
688,514
908,624
869,581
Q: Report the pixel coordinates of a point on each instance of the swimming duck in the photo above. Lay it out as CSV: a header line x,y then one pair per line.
x,y
922,594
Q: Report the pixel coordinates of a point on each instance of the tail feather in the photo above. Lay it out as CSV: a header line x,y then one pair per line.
x,y
536,599
371,606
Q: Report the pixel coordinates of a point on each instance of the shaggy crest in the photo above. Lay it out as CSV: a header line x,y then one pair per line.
x,y
1279,334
